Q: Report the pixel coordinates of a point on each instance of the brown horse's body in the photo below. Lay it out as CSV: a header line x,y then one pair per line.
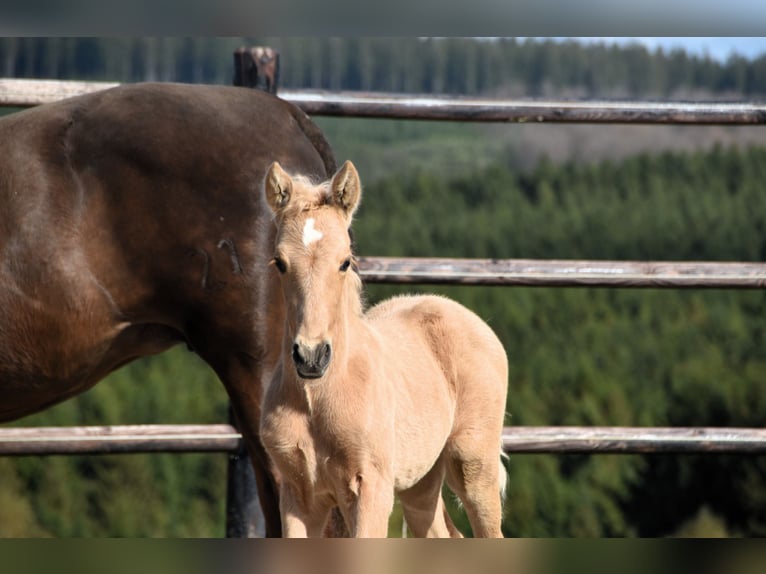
x,y
363,405
132,220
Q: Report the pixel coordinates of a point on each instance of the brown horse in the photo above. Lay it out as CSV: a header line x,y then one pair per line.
x,y
132,220
363,405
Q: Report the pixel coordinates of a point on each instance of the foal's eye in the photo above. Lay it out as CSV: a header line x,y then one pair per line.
x,y
280,265
345,265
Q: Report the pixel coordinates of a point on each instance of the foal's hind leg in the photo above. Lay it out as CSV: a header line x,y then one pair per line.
x,y
424,507
473,473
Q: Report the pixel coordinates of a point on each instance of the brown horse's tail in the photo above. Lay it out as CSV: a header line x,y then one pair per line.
x,y
317,139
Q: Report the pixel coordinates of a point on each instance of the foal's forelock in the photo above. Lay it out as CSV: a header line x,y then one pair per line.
x,y
307,196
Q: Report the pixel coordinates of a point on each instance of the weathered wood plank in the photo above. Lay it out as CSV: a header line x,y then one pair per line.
x,y
21,93
522,439
24,93
394,106
118,439
666,440
548,273
562,272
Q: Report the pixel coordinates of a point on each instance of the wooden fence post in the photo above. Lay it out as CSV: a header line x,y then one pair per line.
x,y
244,517
257,68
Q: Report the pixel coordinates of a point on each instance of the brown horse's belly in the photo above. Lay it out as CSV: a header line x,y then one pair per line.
x,y
46,358
18,402
24,391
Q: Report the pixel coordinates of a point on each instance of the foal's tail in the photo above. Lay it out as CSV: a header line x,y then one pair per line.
x,y
503,476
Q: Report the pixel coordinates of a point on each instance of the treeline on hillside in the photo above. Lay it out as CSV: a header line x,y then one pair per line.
x,y
439,65
577,357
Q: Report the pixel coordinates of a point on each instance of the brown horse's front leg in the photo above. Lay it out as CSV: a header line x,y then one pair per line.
x,y
268,490
246,407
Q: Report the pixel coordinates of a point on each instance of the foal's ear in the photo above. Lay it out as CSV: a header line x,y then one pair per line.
x,y
278,187
346,188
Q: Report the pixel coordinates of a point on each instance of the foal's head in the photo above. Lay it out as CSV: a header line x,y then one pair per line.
x,y
313,256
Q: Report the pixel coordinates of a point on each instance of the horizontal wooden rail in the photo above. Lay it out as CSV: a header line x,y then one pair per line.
x,y
521,439
118,439
23,93
634,440
375,105
540,273
19,93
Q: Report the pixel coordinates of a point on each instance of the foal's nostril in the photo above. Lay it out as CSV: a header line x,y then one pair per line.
x,y
323,354
311,362
297,354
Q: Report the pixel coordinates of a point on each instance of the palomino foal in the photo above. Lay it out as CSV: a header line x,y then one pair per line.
x,y
364,405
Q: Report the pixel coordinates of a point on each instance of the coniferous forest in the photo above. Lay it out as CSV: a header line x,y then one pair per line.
x,y
635,357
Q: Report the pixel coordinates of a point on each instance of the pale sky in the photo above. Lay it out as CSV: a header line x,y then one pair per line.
x,y
717,48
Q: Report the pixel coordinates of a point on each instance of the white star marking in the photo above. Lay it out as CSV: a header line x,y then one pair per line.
x,y
310,234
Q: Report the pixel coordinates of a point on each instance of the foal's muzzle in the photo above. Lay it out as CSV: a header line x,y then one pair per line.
x,y
311,362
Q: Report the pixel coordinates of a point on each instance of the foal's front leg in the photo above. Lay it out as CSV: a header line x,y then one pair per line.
x,y
299,519
370,501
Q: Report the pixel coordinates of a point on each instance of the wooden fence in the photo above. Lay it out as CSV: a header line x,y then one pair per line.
x,y
212,438
225,438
